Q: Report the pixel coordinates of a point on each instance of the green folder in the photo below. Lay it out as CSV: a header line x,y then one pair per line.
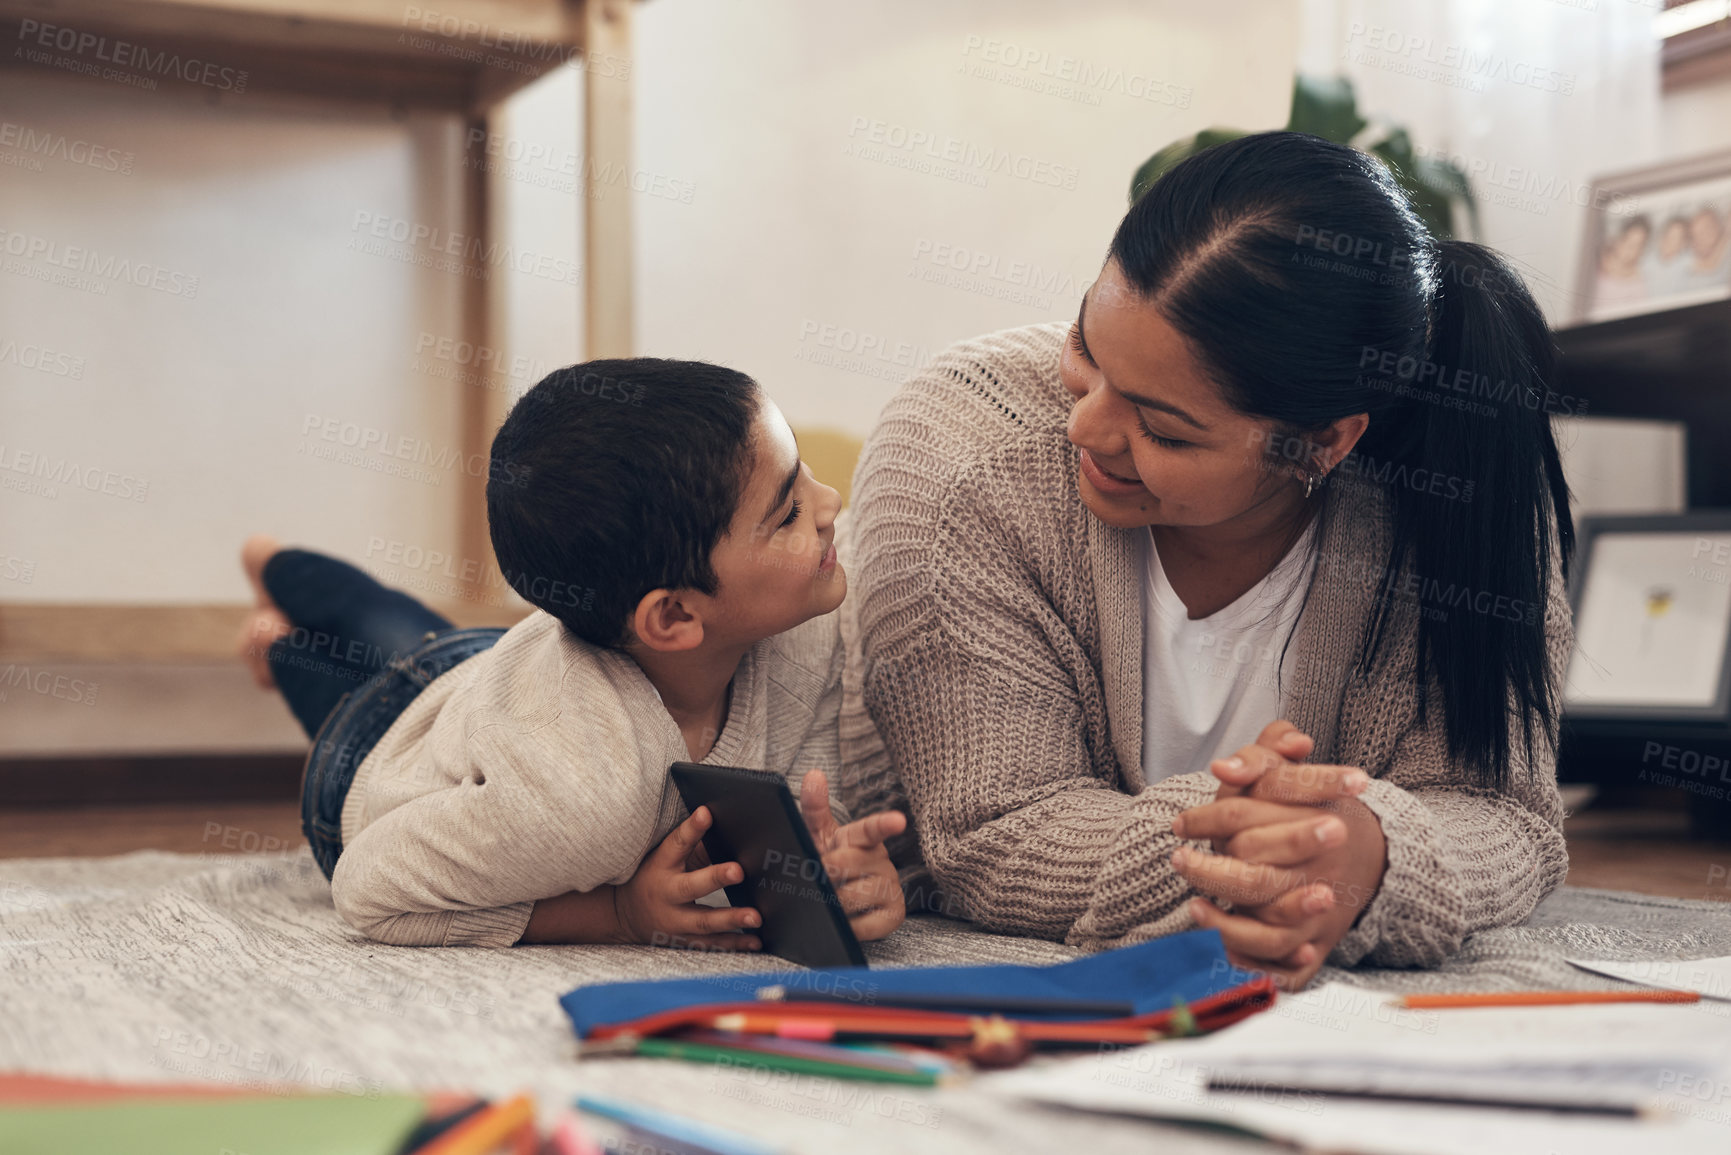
x,y
266,1125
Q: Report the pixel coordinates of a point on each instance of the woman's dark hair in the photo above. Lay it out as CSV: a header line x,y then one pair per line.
x,y
613,478
1309,289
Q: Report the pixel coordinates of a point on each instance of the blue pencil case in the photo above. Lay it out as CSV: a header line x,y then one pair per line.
x,y
1188,971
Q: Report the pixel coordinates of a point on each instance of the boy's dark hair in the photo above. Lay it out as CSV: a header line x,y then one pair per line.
x,y
624,475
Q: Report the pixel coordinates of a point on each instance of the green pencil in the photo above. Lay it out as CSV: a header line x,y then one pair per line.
x,y
707,1053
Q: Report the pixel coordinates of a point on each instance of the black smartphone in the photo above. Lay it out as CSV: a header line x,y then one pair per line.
x,y
757,823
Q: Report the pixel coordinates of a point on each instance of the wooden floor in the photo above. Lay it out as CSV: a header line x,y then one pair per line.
x,y
1641,850
1648,851
207,828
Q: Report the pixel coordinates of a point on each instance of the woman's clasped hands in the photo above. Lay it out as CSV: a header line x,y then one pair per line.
x,y
1293,851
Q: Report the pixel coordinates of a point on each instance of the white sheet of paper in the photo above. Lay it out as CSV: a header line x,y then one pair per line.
x,y
1351,1025
1708,977
1652,623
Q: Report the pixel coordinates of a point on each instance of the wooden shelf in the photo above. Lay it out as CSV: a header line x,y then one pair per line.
x,y
1674,365
457,55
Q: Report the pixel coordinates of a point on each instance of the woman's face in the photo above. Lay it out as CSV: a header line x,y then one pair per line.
x,y
1159,446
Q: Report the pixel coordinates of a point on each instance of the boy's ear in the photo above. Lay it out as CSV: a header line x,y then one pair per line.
x,y
664,621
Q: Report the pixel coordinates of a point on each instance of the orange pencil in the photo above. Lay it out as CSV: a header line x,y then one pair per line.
x,y
485,1131
1543,998
954,1027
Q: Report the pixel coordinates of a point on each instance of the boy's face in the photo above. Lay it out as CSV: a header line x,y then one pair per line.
x,y
777,564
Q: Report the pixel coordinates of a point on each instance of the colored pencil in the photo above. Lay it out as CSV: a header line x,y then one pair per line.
x,y
923,1057
1543,998
431,1128
569,1138
671,1128
856,1055
480,1133
772,1061
838,1053
1262,1089
832,1052
864,1025
963,1004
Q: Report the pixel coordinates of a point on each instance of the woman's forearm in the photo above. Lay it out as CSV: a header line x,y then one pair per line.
x,y
1459,861
586,916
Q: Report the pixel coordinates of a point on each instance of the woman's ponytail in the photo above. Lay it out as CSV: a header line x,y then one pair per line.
x,y
1478,414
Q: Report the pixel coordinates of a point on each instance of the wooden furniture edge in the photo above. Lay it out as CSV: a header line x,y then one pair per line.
x,y
68,632
129,779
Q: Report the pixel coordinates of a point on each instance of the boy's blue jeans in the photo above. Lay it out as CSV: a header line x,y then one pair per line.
x,y
359,653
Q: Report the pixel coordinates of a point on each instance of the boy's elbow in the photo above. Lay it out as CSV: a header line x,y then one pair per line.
x,y
500,927
411,928
381,924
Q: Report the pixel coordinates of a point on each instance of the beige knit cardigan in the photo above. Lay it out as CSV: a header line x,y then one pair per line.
x,y
994,689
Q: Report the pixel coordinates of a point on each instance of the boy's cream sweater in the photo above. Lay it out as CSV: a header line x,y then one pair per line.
x,y
540,767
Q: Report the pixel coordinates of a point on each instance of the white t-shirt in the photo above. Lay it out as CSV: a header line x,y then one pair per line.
x,y
1210,685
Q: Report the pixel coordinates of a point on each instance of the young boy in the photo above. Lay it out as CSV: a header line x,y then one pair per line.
x,y
490,787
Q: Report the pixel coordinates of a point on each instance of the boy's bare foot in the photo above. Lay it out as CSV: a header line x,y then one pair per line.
x,y
254,553
263,627
266,623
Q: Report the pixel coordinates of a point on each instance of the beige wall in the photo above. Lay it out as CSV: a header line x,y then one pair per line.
x,y
826,196
779,229
198,393
1696,119
844,222
1533,99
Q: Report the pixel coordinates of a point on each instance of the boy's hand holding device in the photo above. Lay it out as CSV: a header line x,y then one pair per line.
x,y
858,863
1295,851
659,904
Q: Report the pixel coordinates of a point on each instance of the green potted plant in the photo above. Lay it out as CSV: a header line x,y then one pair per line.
x,y
1326,107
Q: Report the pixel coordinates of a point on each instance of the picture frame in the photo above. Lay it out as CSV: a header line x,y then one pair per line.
x,y
1652,604
1656,238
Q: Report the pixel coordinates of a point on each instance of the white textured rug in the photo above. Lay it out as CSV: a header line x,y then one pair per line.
x,y
236,969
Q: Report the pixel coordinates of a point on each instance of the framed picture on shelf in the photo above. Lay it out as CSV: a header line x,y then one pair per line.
x,y
1657,238
1652,602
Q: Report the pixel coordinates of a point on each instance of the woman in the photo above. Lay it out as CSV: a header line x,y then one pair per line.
x,y
1292,461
